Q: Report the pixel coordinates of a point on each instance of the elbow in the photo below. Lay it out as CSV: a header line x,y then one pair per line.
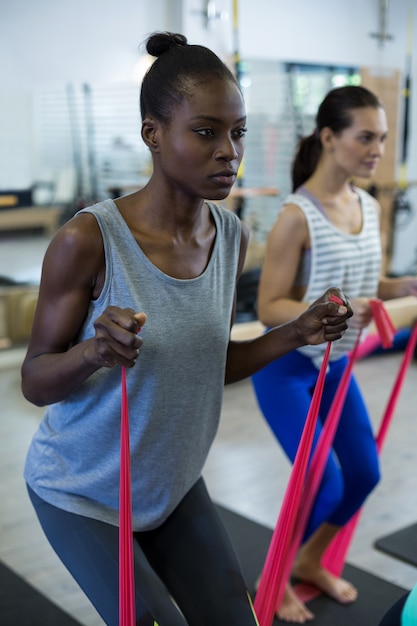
x,y
266,312
30,390
265,317
30,396
273,312
260,312
228,380
232,373
266,321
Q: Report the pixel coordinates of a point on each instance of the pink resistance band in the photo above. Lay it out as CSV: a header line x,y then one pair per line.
x,y
335,556
272,582
316,470
127,609
286,540
273,578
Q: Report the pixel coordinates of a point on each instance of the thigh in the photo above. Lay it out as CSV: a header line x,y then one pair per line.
x,y
354,442
283,391
355,448
89,549
193,554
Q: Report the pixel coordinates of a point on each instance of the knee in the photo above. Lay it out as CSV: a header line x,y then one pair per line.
x,y
367,478
328,500
375,477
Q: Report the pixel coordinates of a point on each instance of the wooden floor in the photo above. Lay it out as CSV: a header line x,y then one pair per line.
x,y
246,471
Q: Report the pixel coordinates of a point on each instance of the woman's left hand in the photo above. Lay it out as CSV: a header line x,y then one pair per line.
x,y
326,319
409,285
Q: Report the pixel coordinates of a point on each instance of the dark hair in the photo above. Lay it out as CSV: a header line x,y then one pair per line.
x,y
334,112
173,75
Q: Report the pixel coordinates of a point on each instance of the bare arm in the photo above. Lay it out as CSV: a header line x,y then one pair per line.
x,y
278,300
322,321
72,275
390,288
295,323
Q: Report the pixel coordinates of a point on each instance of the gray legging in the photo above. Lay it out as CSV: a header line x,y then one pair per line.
x,y
186,571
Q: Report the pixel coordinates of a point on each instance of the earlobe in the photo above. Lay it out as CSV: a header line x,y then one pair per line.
x,y
326,136
149,133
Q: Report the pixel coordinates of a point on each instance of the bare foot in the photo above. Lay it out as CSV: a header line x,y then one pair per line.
x,y
338,588
292,609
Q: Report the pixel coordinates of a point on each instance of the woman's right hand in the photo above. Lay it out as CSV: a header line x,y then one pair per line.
x,y
116,340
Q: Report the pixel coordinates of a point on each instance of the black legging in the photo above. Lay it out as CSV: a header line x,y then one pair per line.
x,y
393,616
188,559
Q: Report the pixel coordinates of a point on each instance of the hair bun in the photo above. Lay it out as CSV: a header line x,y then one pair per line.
x,y
159,43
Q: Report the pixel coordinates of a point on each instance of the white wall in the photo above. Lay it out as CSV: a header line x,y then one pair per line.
x,y
45,42
328,31
50,42
332,32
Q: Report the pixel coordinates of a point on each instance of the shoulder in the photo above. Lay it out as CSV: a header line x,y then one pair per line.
x,y
235,233
226,221
365,197
290,228
78,244
300,205
222,213
368,202
82,230
106,209
292,211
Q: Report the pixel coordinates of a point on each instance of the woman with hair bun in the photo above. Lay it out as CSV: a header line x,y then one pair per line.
x,y
165,261
327,232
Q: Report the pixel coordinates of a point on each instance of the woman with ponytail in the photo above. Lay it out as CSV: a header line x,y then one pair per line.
x,y
327,232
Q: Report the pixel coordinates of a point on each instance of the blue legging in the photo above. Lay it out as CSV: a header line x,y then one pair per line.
x,y
189,558
284,390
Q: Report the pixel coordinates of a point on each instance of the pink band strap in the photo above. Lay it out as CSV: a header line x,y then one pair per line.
x,y
335,556
272,583
278,560
127,609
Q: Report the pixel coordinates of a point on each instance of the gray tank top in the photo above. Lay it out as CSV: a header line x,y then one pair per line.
x,y
175,389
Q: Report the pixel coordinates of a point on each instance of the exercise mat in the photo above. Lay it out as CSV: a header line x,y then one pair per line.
x,y
401,544
22,605
376,596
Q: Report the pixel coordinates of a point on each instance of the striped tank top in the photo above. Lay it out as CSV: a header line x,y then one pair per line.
x,y
351,262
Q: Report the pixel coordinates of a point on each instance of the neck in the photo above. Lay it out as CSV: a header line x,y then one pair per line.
x,y
326,182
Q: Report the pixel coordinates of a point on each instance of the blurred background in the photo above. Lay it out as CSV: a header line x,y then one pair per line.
x,y
69,80
70,136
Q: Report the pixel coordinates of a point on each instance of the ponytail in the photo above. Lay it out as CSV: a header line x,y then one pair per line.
x,y
306,159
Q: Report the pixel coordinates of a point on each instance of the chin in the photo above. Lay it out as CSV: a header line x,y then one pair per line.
x,y
364,175
368,172
218,195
